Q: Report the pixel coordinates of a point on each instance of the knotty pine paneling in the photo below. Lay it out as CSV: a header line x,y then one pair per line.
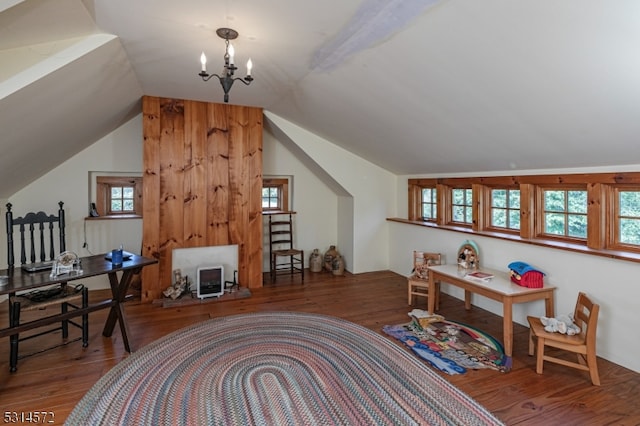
x,y
195,178
151,194
202,185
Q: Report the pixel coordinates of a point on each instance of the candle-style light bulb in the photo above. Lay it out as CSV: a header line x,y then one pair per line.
x,y
231,53
249,66
203,61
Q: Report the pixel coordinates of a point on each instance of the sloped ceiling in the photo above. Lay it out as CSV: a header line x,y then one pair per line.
x,y
419,87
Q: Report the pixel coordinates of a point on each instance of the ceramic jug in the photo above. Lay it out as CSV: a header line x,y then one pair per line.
x,y
328,258
315,261
338,265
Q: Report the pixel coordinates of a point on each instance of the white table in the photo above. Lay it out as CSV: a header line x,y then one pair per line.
x,y
499,288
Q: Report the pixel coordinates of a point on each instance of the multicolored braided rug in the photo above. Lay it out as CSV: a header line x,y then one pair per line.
x,y
275,368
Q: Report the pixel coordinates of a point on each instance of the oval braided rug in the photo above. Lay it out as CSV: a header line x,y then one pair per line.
x,y
275,368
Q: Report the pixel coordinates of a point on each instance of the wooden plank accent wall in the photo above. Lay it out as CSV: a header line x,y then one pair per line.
x,y
202,185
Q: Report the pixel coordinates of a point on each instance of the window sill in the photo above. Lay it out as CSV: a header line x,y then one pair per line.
x,y
116,217
561,245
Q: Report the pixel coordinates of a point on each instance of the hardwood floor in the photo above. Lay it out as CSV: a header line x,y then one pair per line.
x,y
55,380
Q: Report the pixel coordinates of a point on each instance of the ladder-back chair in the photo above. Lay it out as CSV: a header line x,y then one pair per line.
x,y
38,234
284,258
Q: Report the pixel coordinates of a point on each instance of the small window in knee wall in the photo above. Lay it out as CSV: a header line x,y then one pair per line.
x,y
119,196
595,213
275,194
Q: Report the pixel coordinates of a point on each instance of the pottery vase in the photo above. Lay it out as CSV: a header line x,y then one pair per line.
x,y
315,261
338,265
328,258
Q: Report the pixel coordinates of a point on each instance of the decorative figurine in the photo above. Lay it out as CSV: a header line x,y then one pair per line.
x,y
179,286
468,255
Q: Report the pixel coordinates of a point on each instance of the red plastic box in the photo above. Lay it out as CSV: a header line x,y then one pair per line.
x,y
530,279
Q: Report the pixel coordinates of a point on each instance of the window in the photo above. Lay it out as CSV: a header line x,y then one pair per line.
x,y
564,213
429,204
122,200
119,196
594,213
505,208
461,205
627,217
271,197
275,194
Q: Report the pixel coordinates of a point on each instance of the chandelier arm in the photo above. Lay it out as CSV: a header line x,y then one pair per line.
x,y
207,77
246,82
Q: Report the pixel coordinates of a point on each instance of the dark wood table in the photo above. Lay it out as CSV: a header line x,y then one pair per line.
x,y
92,266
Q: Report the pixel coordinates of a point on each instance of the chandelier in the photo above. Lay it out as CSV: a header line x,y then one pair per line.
x,y
226,78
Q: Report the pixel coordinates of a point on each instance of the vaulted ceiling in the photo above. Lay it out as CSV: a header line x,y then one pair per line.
x,y
417,87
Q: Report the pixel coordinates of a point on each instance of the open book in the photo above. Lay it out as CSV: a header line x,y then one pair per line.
x,y
479,276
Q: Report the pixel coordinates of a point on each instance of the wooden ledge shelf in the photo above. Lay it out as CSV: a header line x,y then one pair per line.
x,y
114,217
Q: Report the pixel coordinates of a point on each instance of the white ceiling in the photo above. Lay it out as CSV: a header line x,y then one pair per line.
x,y
422,86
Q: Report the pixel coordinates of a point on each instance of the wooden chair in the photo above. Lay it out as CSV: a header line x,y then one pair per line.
x,y
418,282
285,259
37,235
583,344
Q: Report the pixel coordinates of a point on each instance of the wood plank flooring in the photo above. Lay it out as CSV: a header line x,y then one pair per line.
x,y
55,380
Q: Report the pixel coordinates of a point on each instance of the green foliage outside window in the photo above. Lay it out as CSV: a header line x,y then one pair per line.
x,y
505,208
461,204
429,203
565,213
597,213
629,208
122,199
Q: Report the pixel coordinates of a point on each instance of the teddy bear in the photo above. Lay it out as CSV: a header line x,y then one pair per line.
x,y
561,324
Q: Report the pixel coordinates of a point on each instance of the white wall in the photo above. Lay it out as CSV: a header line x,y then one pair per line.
x,y
361,220
120,151
315,224
611,283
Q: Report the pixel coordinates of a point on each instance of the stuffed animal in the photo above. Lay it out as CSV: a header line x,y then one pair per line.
x,y
422,271
561,324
